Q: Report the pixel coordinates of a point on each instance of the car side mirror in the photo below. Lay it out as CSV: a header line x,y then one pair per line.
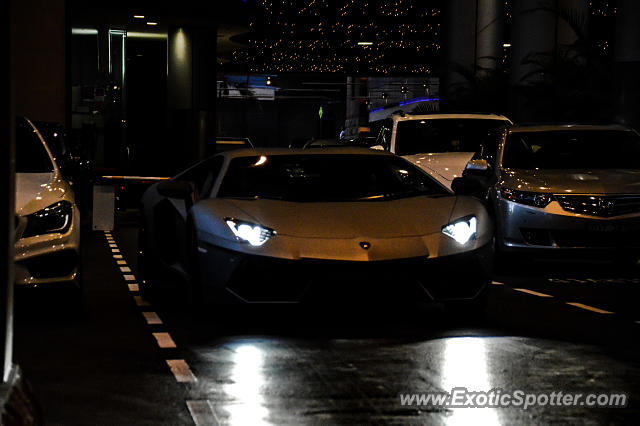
x,y
466,186
175,189
477,168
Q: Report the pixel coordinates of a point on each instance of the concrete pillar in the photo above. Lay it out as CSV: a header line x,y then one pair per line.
x,y
472,49
191,90
540,33
627,63
40,54
7,202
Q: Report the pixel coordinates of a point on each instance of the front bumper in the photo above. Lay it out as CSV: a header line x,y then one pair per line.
x,y
230,276
49,258
553,231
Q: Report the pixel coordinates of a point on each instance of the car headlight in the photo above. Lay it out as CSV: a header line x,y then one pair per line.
x,y
53,219
462,230
535,199
254,234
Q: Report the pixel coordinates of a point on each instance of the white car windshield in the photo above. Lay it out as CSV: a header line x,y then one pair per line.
x,y
31,155
446,135
572,149
326,177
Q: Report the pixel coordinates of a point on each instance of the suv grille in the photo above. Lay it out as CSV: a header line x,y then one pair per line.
x,y
603,206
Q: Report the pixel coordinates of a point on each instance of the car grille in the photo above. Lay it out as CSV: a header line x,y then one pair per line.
x,y
602,206
581,239
596,239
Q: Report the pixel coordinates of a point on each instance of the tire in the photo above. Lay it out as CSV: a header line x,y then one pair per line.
x,y
144,277
195,293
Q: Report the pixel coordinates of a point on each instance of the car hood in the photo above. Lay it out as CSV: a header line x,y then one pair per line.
x,y
443,166
413,216
35,191
611,181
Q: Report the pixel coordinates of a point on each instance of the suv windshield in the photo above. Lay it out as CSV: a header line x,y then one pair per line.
x,y
447,135
325,177
572,149
31,155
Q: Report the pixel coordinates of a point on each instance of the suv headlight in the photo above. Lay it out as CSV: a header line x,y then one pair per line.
x,y
462,230
535,199
53,219
254,234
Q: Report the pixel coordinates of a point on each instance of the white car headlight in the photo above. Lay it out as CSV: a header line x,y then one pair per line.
x,y
462,230
254,234
55,218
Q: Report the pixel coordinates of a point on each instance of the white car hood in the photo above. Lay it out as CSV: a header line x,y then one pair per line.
x,y
414,216
442,166
34,191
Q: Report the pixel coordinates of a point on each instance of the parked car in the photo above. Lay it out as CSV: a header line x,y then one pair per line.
x,y
47,224
565,189
281,225
441,144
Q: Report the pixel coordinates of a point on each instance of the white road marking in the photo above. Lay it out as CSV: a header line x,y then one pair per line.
x,y
117,256
129,277
496,283
122,262
164,340
202,413
125,269
133,287
140,301
152,318
535,293
115,250
181,370
589,308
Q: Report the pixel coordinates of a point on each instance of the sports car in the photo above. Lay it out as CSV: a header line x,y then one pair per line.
x,y
283,225
47,219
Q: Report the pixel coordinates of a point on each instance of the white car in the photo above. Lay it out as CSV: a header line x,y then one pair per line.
x,y
47,224
442,144
281,225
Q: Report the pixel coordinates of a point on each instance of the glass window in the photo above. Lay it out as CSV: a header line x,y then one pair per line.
x,y
447,135
325,177
572,149
31,155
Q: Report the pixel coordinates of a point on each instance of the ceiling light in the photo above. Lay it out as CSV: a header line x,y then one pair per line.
x,y
138,16
152,23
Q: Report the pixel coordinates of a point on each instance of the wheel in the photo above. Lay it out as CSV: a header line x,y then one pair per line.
x,y
195,293
144,275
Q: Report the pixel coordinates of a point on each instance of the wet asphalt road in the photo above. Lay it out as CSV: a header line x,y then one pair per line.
x,y
122,360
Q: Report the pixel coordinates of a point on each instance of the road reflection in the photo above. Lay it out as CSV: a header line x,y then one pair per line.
x,y
247,404
465,365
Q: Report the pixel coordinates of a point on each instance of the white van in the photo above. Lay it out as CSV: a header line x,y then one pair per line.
x,y
441,144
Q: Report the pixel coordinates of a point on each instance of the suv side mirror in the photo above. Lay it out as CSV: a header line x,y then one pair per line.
x,y
466,186
477,168
175,189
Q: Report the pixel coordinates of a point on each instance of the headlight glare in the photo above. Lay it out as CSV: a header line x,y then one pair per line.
x,y
254,234
55,218
535,199
462,230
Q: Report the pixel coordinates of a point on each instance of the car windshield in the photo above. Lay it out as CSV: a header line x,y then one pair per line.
x,y
325,177
446,135
572,149
31,155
